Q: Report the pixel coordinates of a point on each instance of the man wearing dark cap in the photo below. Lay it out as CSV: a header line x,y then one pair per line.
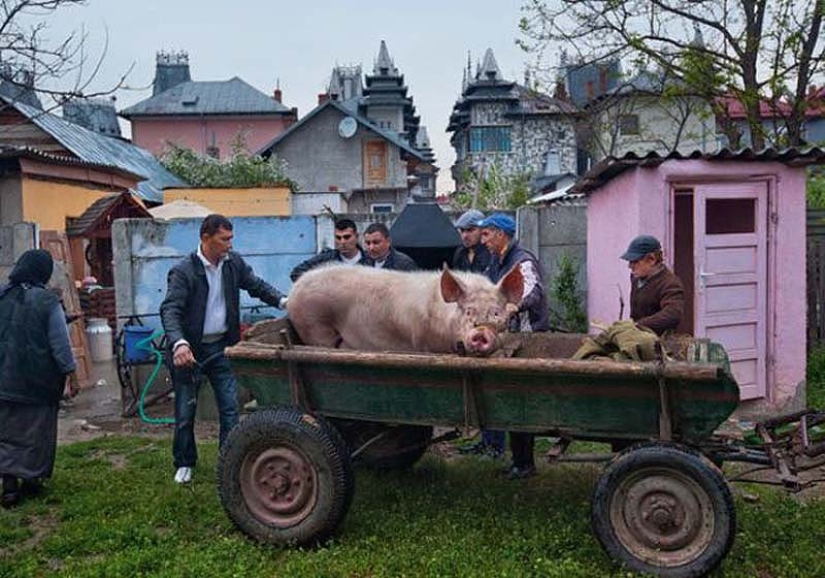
x,y
657,298
498,234
472,256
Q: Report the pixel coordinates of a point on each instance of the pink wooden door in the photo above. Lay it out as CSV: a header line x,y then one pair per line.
x,y
731,234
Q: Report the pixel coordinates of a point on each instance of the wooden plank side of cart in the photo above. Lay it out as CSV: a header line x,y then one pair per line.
x,y
586,399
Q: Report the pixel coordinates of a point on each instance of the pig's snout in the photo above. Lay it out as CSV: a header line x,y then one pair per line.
x,y
481,340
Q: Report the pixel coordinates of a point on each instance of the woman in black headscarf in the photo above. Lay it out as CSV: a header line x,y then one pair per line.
x,y
35,360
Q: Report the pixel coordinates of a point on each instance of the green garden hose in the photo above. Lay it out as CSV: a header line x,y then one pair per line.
x,y
147,344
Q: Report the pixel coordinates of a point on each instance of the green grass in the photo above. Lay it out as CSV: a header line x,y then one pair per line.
x,y
112,510
816,379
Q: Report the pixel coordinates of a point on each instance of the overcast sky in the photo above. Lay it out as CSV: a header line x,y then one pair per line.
x,y
298,43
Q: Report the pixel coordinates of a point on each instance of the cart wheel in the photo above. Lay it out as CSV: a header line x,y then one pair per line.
x,y
664,510
284,477
398,448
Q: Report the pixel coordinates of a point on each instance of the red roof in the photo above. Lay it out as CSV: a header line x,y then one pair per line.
x,y
777,109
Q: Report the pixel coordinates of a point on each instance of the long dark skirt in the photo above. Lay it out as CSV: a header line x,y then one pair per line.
x,y
28,439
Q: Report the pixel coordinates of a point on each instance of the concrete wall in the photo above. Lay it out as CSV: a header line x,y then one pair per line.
x,y
145,250
14,241
236,202
11,200
317,203
319,160
550,232
199,133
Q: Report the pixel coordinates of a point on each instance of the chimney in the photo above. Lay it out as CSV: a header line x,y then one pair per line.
x,y
276,95
171,69
322,98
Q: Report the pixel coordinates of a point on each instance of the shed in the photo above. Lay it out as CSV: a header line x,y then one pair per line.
x,y
424,232
93,229
732,225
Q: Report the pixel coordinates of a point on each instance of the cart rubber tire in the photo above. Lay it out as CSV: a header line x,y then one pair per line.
x,y
665,510
285,477
400,447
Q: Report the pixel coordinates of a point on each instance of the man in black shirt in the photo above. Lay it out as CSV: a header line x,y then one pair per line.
x,y
472,256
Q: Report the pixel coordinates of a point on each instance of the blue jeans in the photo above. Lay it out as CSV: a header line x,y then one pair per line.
x,y
186,382
493,439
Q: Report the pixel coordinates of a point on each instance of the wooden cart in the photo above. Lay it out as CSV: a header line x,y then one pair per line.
x,y
660,506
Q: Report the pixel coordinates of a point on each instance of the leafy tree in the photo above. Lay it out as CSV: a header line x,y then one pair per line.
x,y
763,53
494,191
239,170
566,293
815,190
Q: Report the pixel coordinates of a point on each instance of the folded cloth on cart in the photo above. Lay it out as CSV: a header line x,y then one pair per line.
x,y
622,341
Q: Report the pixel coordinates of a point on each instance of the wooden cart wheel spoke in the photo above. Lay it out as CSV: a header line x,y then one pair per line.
x,y
279,485
663,516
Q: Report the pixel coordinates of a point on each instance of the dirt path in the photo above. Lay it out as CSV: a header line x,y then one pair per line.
x,y
96,412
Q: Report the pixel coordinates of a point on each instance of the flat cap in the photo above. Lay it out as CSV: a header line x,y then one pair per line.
x,y
469,219
641,246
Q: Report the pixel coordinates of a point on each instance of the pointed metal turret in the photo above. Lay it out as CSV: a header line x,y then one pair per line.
x,y
384,66
489,67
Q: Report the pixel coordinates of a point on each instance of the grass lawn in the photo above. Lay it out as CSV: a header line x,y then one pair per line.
x,y
112,510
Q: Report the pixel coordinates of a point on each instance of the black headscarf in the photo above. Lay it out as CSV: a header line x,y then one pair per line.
x,y
33,267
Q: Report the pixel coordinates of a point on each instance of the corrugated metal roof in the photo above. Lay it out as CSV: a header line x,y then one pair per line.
x,y
611,167
99,149
30,153
233,96
391,136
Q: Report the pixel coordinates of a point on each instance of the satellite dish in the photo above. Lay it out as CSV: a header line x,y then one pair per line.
x,y
347,127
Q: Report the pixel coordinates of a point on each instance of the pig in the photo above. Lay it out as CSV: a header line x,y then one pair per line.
x,y
373,309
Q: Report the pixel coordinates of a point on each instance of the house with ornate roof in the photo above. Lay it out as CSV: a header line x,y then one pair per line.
x,y
362,149
207,117
519,130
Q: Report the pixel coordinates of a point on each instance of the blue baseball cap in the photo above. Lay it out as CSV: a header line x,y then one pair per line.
x,y
500,221
641,246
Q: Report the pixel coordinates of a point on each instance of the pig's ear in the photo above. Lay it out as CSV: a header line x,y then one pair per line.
x,y
512,285
452,290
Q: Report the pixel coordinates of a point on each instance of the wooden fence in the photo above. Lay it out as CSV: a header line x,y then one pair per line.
x,y
816,278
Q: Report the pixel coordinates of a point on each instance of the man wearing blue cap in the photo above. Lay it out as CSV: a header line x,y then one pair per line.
x,y
497,233
657,297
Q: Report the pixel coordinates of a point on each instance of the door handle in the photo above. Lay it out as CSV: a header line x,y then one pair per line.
x,y
706,274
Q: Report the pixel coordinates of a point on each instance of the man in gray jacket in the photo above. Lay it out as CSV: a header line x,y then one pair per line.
x,y
201,317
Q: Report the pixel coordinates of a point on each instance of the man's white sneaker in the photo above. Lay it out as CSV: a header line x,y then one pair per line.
x,y
183,476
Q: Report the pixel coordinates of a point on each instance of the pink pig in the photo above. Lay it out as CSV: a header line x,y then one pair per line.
x,y
376,310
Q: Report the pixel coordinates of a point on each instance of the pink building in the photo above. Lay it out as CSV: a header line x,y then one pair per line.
x,y
205,116
732,226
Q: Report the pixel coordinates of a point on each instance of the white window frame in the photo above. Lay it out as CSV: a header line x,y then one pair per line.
x,y
381,208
